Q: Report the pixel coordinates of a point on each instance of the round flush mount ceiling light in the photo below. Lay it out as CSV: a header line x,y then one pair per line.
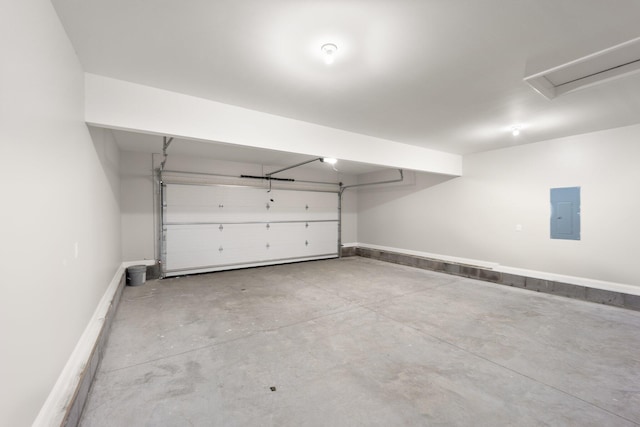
x,y
515,130
329,52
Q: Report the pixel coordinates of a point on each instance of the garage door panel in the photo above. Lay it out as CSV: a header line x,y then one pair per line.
x,y
308,205
201,246
207,204
211,227
303,238
245,199
321,238
190,245
191,203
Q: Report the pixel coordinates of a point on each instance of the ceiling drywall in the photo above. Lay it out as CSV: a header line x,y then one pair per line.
x,y
445,75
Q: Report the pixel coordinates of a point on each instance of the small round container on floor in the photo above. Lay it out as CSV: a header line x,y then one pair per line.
x,y
136,275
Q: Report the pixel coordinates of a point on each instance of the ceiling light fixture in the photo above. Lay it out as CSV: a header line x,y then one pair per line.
x,y
329,160
328,52
515,130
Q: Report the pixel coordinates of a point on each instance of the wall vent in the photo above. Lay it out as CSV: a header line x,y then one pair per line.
x,y
608,64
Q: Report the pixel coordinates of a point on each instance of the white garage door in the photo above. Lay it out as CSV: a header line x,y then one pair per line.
x,y
220,227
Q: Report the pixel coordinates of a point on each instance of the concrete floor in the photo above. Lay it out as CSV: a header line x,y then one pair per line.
x,y
361,342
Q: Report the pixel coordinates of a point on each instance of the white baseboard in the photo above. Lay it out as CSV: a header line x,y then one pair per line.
x,y
573,280
55,408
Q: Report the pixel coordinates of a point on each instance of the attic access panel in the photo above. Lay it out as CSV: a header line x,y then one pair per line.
x,y
614,62
565,213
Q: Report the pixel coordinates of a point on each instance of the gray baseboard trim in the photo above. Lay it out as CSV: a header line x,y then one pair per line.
x,y
348,251
76,405
154,271
66,400
568,290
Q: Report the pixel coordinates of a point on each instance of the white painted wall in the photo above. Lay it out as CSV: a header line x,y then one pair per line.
x,y
475,216
138,204
349,212
60,221
118,104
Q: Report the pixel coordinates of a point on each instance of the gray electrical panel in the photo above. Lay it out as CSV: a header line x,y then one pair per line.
x,y
565,213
